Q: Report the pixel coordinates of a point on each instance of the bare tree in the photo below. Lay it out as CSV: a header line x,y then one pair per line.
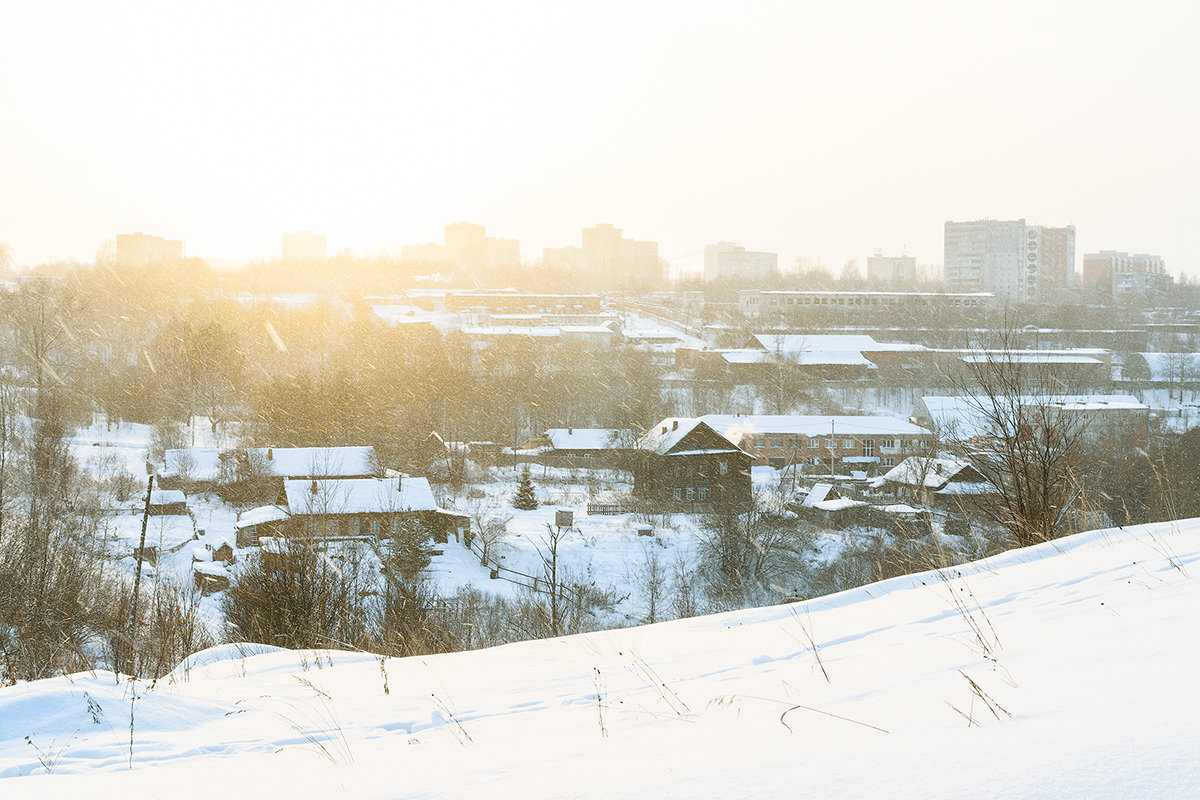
x,y
1028,440
748,557
781,374
650,578
489,524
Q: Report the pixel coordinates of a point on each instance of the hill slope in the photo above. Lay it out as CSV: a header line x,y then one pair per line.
x,y
1065,670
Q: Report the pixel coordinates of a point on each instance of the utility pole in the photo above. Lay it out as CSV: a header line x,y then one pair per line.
x,y
832,444
137,579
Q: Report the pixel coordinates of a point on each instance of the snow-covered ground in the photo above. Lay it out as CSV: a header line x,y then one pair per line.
x,y
1065,670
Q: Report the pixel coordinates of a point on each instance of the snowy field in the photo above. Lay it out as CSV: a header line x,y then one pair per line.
x,y
1065,670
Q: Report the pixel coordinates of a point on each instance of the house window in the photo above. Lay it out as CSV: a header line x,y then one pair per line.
x,y
813,444
816,462
889,444
830,444
777,443
703,490
723,467
678,493
691,493
354,526
395,526
375,527
310,527
759,444
847,444
868,447
888,461
331,527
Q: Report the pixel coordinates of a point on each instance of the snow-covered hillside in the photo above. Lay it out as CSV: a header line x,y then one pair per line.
x,y
1066,670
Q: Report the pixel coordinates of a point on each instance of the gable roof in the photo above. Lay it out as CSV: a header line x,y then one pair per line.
x,y
259,515
932,473
685,436
319,462
358,496
736,427
586,438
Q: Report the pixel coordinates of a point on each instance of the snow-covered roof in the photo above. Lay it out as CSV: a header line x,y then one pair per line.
x,y
932,473
744,356
818,494
210,568
736,427
967,488
330,462
358,496
584,438
199,463
965,417
1031,357
898,508
257,516
838,504
166,497
667,434
827,348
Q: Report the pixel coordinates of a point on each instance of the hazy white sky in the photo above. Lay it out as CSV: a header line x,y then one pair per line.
x,y
816,129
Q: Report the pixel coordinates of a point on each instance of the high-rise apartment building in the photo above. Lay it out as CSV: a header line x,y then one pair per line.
x,y
729,260
891,272
1026,263
1118,275
142,250
609,257
468,247
303,246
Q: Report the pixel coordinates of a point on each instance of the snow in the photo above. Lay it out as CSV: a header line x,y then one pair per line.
x,y
584,438
359,495
261,514
917,470
166,532
200,463
1078,647
164,497
297,462
1172,367
962,416
730,425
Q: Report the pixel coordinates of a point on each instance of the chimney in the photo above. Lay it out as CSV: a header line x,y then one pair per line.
x,y
270,454
399,483
664,429
675,425
313,488
570,431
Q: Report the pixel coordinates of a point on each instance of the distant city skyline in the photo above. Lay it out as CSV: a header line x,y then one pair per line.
x,y
815,131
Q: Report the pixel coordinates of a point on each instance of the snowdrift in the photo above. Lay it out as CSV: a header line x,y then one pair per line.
x,y
1065,670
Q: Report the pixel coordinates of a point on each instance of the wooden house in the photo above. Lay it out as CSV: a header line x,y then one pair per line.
x,y
589,448
685,465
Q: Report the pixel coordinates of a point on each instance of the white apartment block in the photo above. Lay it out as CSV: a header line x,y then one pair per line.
x,y
891,272
1026,263
729,260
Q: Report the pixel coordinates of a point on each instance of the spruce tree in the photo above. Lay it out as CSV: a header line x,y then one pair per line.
x,y
525,499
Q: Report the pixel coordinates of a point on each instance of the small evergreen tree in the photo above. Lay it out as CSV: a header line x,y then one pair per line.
x,y
525,499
